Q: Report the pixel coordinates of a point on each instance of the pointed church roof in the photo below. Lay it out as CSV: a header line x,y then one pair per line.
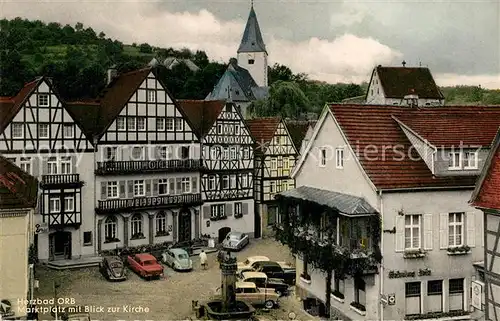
x,y
252,38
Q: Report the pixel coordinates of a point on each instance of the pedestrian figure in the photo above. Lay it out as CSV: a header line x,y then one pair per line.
x,y
203,259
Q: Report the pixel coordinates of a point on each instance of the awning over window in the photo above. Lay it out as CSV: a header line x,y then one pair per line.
x,y
344,203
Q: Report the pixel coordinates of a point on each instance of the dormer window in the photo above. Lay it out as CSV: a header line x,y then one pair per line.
x,y
455,161
470,160
43,100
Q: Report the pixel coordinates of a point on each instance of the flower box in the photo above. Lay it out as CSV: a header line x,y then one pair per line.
x,y
413,254
306,278
435,316
162,233
112,240
138,236
337,296
459,250
358,308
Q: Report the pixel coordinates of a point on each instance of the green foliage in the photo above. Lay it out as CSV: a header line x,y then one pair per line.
x,y
285,99
470,95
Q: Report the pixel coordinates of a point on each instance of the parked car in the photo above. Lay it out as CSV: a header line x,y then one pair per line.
x,y
276,271
145,265
249,293
248,263
262,281
112,268
235,241
177,259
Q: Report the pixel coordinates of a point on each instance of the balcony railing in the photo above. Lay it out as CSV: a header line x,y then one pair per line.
x,y
61,179
148,166
143,203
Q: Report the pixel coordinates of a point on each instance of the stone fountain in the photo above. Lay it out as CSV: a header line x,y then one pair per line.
x,y
227,307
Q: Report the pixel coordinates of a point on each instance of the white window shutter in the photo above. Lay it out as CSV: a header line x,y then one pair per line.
x,y
443,231
400,233
471,229
427,231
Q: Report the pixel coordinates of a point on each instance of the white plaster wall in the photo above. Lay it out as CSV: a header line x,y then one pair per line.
x,y
244,224
442,265
349,180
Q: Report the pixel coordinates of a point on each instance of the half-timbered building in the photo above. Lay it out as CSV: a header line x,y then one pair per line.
x,y
275,157
147,163
486,197
228,156
38,133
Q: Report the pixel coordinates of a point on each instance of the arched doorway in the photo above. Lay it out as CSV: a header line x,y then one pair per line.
x,y
184,225
60,245
223,232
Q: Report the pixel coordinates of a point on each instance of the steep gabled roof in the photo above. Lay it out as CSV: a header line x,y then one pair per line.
x,y
238,78
18,189
398,82
10,106
95,116
487,192
202,114
263,130
298,130
383,150
454,125
252,38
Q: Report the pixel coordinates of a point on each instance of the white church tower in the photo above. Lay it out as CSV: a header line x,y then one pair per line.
x,y
252,53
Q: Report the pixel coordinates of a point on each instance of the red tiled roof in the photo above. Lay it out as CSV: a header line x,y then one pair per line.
x,y
202,114
116,95
375,135
18,189
263,129
487,192
454,125
398,82
10,107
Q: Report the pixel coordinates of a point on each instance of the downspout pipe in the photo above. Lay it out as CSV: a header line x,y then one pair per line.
x,y
381,274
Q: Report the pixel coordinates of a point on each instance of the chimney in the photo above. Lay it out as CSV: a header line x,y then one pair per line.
x,y
112,73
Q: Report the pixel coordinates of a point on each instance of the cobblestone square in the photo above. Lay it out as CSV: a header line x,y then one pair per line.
x,y
166,299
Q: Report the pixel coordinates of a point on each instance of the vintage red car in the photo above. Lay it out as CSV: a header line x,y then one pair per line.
x,y
145,265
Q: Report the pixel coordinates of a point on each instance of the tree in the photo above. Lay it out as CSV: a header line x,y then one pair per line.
x,y
200,59
285,99
78,26
13,73
281,72
145,48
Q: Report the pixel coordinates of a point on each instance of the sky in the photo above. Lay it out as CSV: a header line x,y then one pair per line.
x,y
332,41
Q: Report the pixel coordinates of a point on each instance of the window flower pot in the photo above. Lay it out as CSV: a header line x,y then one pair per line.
x,y
306,278
459,250
112,240
358,308
337,296
414,254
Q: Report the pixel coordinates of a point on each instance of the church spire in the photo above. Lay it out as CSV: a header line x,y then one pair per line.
x,y
252,38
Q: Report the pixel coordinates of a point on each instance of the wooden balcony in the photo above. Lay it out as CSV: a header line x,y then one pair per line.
x,y
111,206
61,180
148,166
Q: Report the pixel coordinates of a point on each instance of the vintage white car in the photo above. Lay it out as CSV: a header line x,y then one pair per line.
x,y
247,264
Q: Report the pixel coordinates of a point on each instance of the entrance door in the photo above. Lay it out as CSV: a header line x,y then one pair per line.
x,y
184,225
60,245
257,222
223,233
